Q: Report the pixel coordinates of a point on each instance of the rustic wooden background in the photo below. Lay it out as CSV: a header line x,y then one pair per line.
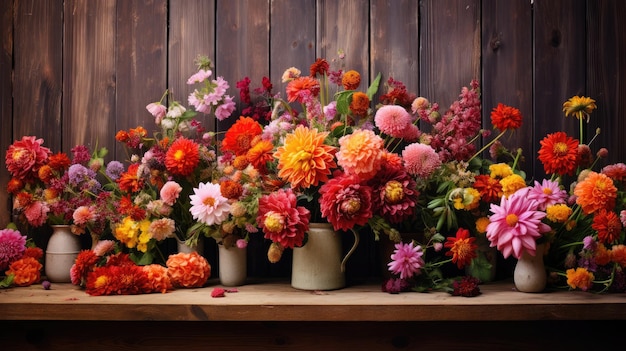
x,y
77,71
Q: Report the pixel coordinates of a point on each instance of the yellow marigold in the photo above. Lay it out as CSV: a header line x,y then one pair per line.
x,y
618,255
361,153
601,255
133,234
511,184
595,192
351,80
304,159
558,213
500,170
481,224
579,278
579,106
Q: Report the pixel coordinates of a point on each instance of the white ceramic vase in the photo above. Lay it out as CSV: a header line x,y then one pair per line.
x,y
183,247
232,265
319,265
61,252
530,272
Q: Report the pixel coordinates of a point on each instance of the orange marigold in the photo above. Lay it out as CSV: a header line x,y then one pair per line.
x,y
579,278
618,255
182,157
351,80
608,226
506,117
26,271
595,192
361,153
359,104
559,154
231,189
462,248
238,138
260,154
188,270
304,159
158,279
300,84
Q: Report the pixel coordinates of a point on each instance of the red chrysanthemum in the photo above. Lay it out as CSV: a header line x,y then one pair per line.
x,y
300,84
59,161
239,137
24,157
462,248
608,226
281,219
129,181
490,189
394,194
85,263
102,281
506,117
182,157
559,154
345,203
127,207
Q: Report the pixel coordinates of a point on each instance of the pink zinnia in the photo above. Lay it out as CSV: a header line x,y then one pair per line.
x,y
406,260
547,193
281,219
392,120
25,157
420,160
515,225
170,192
12,247
208,205
345,203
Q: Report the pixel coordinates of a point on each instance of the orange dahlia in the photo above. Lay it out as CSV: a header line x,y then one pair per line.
x,y
158,279
595,192
361,153
359,104
559,153
260,154
351,80
608,226
238,138
26,271
300,84
462,248
182,157
188,270
304,159
506,117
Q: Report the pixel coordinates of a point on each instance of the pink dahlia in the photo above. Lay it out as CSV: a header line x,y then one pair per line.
x,y
420,159
12,247
36,213
406,260
392,120
361,153
395,194
547,193
515,224
281,220
170,192
208,205
25,157
345,202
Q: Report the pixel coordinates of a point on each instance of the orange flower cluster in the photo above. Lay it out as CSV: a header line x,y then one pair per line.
x,y
188,270
26,271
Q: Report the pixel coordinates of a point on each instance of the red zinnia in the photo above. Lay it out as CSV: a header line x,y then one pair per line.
x,y
182,157
490,189
608,226
462,248
320,66
346,203
129,181
506,117
559,154
238,138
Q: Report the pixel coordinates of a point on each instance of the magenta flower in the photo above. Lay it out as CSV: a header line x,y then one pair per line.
x,y
547,193
406,260
515,225
12,247
420,159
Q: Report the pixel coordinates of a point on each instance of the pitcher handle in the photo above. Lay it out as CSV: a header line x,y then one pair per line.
x,y
345,259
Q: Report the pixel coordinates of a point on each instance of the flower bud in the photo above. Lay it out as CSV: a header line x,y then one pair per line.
x,y
275,252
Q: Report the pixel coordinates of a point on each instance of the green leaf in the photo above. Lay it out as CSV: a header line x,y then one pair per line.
x,y
343,101
373,88
7,281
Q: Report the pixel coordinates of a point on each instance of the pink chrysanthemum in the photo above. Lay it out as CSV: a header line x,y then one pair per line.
x,y
12,247
345,202
420,159
25,157
515,224
281,219
547,193
615,171
208,205
361,153
84,214
103,247
406,260
392,120
170,192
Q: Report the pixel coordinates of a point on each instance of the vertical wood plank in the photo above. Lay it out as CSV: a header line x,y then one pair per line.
x,y
507,69
192,33
559,67
450,48
344,26
6,103
141,62
38,35
606,59
395,42
89,74
292,39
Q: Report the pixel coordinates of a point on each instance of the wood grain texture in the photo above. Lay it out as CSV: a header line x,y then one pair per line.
x,y
6,102
89,73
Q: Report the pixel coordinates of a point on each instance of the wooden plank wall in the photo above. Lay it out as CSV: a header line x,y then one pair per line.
x,y
77,71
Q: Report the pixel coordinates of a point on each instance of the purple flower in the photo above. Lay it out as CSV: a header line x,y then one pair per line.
x,y
12,247
406,260
114,169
